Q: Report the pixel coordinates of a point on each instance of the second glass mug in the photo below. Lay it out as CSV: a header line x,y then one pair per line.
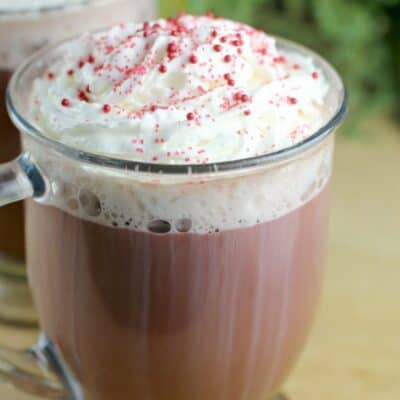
x,y
160,282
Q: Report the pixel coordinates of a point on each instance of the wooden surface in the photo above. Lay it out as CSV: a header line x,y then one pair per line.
x,y
354,350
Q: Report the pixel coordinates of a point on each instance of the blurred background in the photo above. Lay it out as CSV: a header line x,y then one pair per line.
x,y
360,37
354,351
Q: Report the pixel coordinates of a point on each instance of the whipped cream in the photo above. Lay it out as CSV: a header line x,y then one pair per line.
x,y
188,90
33,5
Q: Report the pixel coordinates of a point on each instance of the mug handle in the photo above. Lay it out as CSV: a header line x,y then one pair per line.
x,y
38,370
19,180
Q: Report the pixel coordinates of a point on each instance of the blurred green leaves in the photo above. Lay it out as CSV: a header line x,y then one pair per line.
x,y
360,37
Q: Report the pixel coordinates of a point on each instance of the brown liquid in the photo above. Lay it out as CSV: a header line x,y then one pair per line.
x,y
185,316
11,217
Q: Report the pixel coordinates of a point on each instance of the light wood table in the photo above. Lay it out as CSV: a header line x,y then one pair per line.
x,y
354,350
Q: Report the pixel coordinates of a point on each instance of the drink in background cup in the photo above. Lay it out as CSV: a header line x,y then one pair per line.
x,y
26,26
176,249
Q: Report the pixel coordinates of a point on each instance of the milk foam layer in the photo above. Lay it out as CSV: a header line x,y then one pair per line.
x,y
202,204
33,5
189,90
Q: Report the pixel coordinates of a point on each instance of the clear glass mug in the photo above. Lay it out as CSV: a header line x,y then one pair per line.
x,y
22,33
160,282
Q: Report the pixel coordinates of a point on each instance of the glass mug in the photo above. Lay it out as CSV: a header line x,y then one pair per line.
x,y
160,282
22,33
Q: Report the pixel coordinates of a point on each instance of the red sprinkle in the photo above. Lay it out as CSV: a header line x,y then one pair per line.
x,y
154,158
237,96
82,96
172,47
81,64
228,58
245,98
162,68
214,33
153,108
190,116
315,75
231,82
106,108
50,75
210,14
65,102
193,59
91,59
227,77
70,72
292,100
217,47
296,66
223,39
247,112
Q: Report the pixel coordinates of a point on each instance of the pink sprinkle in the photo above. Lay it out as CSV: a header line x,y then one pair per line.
x,y
209,14
280,59
153,108
247,112
65,102
154,158
223,39
187,159
296,66
292,100
315,75
139,150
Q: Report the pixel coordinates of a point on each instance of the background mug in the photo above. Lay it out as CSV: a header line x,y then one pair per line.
x,y
168,281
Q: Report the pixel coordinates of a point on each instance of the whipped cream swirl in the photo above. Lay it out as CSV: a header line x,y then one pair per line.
x,y
187,90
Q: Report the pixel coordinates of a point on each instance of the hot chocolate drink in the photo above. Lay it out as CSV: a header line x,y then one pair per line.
x,y
183,316
171,256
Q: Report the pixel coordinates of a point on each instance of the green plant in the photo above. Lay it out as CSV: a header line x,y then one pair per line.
x,y
360,37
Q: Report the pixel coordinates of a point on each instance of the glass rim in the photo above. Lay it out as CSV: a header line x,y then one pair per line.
x,y
25,127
